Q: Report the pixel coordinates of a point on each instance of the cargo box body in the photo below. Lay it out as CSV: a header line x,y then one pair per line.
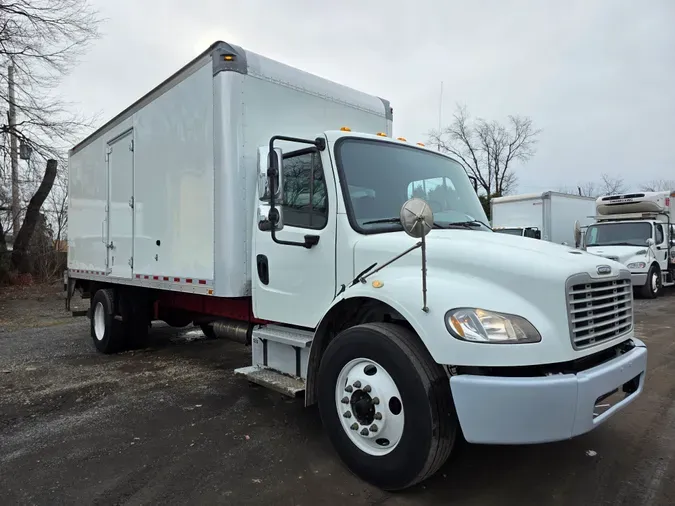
x,y
553,213
164,194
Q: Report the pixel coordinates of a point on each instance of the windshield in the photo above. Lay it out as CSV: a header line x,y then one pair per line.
x,y
378,177
509,231
625,234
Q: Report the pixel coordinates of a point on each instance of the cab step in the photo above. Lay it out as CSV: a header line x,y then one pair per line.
x,y
279,358
274,380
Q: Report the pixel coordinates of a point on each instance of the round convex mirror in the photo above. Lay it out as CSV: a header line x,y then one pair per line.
x,y
417,218
577,233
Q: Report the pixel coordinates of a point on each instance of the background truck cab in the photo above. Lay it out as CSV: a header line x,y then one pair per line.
x,y
637,230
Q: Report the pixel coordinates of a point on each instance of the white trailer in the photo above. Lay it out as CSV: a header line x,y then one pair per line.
x,y
235,197
637,230
550,216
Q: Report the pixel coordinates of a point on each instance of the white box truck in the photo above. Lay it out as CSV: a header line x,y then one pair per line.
x,y
637,230
550,216
235,196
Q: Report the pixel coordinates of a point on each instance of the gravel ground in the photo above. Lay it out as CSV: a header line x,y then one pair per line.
x,y
170,424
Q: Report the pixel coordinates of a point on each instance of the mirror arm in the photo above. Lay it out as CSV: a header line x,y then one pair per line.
x,y
273,176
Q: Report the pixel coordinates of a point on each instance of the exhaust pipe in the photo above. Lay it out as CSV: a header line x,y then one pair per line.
x,y
233,330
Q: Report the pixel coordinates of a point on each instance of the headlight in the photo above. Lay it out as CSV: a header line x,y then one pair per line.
x,y
478,325
637,265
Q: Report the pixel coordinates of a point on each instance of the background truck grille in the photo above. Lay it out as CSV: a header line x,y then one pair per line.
x,y
599,309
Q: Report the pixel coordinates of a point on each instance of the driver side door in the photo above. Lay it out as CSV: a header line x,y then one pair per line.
x,y
293,284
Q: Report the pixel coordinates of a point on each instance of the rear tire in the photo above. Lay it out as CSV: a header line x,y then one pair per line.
x,y
382,361
106,331
652,287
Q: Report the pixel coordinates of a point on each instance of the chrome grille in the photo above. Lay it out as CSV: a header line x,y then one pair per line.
x,y
599,310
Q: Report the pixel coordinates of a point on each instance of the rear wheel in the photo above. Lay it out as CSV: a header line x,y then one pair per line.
x,y
386,405
106,332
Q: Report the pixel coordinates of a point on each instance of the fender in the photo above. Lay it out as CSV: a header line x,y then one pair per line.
x,y
401,290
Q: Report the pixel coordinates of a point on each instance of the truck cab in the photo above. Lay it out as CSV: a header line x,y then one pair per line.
x,y
637,230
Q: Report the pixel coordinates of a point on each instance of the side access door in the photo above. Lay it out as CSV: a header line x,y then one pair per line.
x,y
120,210
291,283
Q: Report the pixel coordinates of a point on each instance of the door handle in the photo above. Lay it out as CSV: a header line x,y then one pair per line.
x,y
311,240
103,232
263,269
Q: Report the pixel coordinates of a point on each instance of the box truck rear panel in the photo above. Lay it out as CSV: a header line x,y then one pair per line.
x,y
163,195
518,213
565,210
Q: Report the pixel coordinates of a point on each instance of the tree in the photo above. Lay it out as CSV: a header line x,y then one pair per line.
x,y
488,149
607,185
40,42
658,185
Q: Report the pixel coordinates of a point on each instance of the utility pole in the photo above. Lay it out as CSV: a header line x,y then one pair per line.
x,y
14,155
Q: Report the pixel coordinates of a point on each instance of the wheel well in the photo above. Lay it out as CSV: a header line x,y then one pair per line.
x,y
345,314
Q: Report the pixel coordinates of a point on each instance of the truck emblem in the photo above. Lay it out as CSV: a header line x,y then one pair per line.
x,y
604,269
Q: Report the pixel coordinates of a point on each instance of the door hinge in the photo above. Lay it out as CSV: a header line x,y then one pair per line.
x,y
131,145
131,262
131,202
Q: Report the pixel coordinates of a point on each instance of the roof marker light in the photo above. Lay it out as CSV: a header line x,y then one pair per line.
x,y
420,144
402,139
381,134
345,129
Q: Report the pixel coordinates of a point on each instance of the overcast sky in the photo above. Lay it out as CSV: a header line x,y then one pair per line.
x,y
598,76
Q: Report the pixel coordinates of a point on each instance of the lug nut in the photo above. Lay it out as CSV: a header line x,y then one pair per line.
x,y
378,416
345,400
365,432
373,428
354,426
347,414
367,389
376,400
349,389
357,384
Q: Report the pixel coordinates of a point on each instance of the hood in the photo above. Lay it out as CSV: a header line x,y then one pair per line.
x,y
619,253
482,254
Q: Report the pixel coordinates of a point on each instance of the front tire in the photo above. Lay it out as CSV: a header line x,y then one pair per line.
x,y
652,287
386,405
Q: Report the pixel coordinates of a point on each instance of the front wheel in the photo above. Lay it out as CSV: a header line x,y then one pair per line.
x,y
652,287
386,405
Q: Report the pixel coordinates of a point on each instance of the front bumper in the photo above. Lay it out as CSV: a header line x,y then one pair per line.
x,y
638,278
527,410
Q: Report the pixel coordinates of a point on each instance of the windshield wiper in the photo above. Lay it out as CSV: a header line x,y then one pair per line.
x,y
619,244
467,224
391,220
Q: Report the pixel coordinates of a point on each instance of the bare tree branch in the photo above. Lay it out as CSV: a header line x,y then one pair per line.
x,y
42,40
658,185
488,149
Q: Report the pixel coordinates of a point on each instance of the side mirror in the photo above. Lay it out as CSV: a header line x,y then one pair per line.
x,y
270,160
650,242
474,183
577,234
